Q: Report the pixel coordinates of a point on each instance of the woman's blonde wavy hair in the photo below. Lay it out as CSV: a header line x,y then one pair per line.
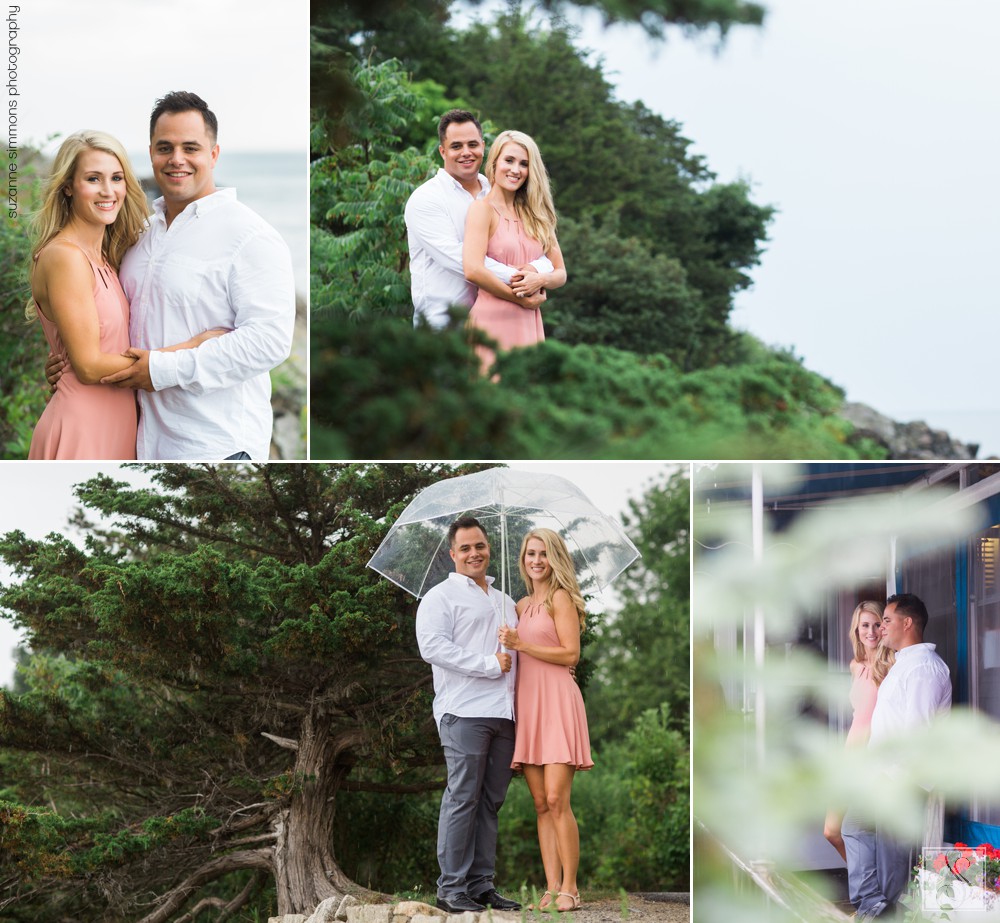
x,y
56,206
563,573
883,657
533,200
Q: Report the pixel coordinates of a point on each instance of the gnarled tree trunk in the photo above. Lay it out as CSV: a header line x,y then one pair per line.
x,y
305,869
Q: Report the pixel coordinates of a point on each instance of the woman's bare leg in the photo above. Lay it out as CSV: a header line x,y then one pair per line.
x,y
547,842
558,785
831,830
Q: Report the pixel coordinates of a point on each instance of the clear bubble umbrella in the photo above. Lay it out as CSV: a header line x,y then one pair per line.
x,y
508,503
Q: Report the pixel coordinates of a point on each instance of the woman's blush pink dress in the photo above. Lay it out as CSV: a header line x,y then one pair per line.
x,y
508,323
551,720
863,694
90,421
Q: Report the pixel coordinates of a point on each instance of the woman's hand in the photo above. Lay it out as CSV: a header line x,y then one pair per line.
x,y
527,281
508,638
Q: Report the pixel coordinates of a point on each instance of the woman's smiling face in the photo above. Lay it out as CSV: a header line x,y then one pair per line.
x,y
869,630
98,187
512,167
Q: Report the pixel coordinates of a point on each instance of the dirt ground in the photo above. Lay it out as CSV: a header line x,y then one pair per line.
x,y
671,908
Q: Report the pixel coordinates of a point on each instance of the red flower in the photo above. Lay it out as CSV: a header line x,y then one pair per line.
x,y
962,865
940,861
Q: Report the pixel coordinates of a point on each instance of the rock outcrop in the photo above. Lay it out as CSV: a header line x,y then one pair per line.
x,y
914,441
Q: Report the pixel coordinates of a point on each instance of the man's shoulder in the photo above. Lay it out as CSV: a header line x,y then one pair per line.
x,y
230,208
930,657
925,663
437,593
429,191
240,227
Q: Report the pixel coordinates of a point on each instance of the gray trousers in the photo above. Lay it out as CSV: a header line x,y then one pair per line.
x,y
878,866
477,752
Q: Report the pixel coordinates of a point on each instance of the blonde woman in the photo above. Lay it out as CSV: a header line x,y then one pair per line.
x,y
869,666
514,223
552,742
93,209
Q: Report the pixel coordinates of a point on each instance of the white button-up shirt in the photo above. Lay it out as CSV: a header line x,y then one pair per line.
x,y
435,228
916,688
457,625
219,264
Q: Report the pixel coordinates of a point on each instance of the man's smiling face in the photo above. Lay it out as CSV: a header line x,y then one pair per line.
x,y
471,553
893,628
183,154
462,151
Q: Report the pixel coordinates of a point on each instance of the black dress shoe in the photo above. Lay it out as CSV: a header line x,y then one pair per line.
x,y
493,898
460,903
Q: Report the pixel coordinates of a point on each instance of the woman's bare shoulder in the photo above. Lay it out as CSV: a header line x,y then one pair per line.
x,y
61,255
479,210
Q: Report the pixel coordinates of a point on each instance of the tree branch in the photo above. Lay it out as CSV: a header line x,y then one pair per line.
x,y
285,742
210,871
228,909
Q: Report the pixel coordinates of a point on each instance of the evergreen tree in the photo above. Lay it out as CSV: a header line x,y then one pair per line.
x,y
22,345
212,671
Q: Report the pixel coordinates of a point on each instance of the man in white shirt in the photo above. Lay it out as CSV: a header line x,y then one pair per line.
x,y
206,261
915,690
435,226
457,625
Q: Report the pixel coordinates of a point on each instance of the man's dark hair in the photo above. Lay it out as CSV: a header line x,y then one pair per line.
x,y
456,117
464,522
182,101
913,606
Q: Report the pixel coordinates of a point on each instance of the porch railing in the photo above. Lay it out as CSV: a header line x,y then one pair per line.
x,y
781,890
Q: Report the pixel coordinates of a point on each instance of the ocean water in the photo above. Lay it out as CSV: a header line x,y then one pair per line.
x,y
275,185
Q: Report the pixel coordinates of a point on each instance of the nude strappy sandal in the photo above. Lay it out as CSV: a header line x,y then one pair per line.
x,y
575,898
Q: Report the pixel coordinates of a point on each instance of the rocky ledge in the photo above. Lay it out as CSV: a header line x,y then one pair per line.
x,y
350,910
914,441
660,907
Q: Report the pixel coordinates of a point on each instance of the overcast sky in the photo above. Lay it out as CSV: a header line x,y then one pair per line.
x,y
38,499
874,127
103,65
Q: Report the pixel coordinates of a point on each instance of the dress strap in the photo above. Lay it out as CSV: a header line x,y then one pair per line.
x,y
102,270
500,214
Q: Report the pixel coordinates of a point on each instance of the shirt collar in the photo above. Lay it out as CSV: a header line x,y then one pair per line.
x,y
445,177
468,581
913,648
201,206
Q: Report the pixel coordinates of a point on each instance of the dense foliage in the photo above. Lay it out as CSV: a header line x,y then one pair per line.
x,y
389,391
22,346
641,360
654,619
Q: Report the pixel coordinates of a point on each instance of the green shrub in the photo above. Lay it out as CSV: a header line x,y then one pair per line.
x,y
387,390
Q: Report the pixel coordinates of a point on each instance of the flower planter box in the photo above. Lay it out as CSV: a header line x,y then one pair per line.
x,y
958,883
